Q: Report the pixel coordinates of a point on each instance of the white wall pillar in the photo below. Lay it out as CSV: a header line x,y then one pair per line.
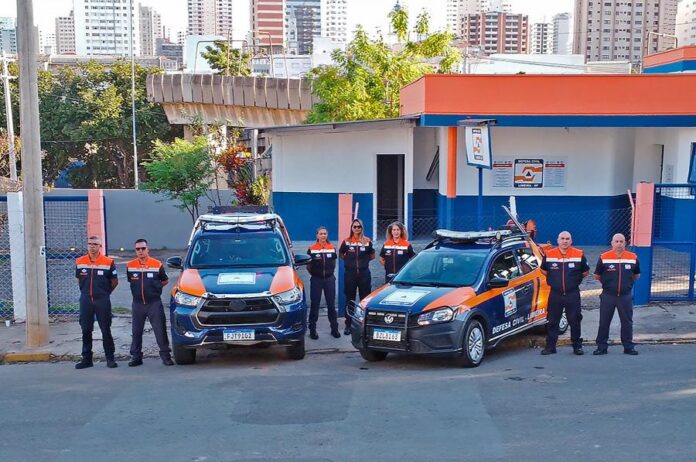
x,y
16,232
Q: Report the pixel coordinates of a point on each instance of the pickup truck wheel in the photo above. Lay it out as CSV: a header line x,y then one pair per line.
x,y
184,355
372,355
297,350
473,345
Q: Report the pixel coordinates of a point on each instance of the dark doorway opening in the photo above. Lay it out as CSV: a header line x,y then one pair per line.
x,y
390,191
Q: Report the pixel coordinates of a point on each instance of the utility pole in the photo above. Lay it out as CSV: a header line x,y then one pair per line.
x,y
136,180
10,123
34,238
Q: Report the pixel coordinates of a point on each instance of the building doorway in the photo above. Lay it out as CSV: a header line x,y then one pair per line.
x,y
390,191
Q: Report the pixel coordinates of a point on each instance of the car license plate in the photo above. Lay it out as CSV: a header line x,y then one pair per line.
x,y
387,335
237,335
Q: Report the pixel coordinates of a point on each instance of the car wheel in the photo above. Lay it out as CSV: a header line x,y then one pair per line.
x,y
297,350
473,345
184,355
372,355
563,324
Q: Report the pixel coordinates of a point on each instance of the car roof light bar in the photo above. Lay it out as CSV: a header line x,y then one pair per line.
x,y
472,235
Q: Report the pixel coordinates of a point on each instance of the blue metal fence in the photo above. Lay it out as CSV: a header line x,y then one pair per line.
x,y
674,243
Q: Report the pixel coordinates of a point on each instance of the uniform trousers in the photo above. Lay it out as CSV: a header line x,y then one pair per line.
x,y
101,308
624,305
154,312
318,285
557,303
356,283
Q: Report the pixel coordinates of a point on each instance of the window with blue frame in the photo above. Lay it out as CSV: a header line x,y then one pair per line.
x,y
692,164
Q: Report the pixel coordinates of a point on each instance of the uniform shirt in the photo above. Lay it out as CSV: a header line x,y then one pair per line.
x,y
323,261
396,254
94,277
146,279
356,255
564,272
616,274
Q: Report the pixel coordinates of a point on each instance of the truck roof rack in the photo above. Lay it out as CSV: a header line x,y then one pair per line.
x,y
472,236
228,221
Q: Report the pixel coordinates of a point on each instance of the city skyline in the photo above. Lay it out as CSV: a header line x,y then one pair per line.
x,y
174,12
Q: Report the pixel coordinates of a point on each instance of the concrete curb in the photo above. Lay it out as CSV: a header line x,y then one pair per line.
x,y
531,342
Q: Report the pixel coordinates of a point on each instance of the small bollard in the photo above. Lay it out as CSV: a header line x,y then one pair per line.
x,y
7,323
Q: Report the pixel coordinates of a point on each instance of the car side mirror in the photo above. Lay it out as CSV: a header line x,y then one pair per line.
x,y
175,262
302,259
496,283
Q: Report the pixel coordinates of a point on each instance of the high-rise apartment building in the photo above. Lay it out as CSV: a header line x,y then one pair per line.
x,y
496,32
65,35
106,27
210,17
457,10
562,34
609,30
47,42
686,22
150,30
268,23
334,20
541,38
8,36
302,24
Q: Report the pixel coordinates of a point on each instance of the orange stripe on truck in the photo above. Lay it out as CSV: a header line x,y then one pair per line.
x,y
191,283
283,280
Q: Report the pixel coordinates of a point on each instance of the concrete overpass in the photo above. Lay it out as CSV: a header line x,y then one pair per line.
x,y
236,101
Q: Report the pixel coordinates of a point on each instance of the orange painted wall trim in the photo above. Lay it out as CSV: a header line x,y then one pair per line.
x,y
670,56
645,197
345,217
452,162
96,216
552,95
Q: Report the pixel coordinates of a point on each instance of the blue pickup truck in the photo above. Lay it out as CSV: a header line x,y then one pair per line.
x,y
238,287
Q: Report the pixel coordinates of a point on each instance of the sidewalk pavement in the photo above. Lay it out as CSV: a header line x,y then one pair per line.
x,y
655,323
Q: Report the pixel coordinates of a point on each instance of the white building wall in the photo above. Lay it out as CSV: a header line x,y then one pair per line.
x,y
103,27
686,22
425,142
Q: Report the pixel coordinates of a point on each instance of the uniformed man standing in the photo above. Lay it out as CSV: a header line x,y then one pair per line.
x,y
96,275
564,267
617,269
147,277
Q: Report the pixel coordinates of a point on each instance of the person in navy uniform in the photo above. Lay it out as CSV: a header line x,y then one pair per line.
x,y
617,270
321,268
147,277
97,278
564,267
396,251
356,251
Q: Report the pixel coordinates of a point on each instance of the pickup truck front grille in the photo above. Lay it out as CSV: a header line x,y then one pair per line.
x,y
238,311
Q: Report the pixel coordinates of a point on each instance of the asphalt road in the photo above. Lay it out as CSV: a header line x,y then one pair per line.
x,y
257,406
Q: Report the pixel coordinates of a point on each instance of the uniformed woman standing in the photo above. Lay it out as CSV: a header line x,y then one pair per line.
x,y
356,252
321,268
396,250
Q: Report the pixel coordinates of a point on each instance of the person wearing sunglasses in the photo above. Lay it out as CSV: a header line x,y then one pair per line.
x,y
356,251
147,277
97,278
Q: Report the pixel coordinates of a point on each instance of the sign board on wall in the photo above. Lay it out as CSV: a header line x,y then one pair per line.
x,y
478,146
529,173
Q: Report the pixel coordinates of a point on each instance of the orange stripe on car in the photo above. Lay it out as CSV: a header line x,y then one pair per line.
x,y
283,280
191,283
454,298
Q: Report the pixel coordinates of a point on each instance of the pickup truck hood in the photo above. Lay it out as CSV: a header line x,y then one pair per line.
x,y
417,299
271,280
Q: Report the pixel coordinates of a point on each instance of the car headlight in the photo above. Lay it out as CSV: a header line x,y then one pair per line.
x,y
182,298
436,316
359,312
289,297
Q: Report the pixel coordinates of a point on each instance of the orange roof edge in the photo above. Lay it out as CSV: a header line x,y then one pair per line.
x,y
670,56
543,94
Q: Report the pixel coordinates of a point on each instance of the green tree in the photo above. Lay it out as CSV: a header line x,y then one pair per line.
x,y
181,171
227,60
364,80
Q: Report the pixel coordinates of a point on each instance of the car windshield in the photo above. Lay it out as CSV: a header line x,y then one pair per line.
x,y
229,250
452,268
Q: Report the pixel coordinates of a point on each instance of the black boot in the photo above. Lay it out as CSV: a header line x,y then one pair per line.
x,y
335,333
85,362
111,363
313,334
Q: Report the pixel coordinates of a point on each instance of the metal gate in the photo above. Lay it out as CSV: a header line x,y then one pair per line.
x,y
674,243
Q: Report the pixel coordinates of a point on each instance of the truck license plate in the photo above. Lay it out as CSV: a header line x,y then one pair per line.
x,y
236,335
387,334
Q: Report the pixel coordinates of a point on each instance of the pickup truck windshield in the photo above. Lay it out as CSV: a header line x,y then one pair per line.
x,y
453,268
230,250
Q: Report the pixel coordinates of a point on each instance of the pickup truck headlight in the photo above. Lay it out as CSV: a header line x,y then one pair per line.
x,y
289,297
359,312
182,298
436,316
